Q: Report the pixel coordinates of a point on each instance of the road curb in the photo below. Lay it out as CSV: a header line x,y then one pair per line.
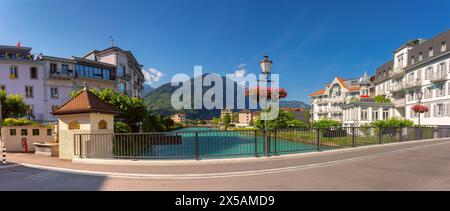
x,y
120,162
224,174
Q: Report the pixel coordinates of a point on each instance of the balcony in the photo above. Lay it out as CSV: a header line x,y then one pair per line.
x,y
335,110
381,92
62,74
410,84
321,101
398,72
438,77
336,99
15,57
322,111
399,103
398,87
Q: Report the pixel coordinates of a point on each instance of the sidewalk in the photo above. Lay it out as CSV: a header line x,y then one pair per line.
x,y
228,165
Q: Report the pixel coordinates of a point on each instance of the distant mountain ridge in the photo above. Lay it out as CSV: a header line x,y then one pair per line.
x,y
159,99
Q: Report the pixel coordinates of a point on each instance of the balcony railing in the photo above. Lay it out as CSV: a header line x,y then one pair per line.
x,y
321,101
335,110
62,74
398,72
336,99
398,87
438,77
409,84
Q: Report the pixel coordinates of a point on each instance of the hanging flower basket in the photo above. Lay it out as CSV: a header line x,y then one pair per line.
x,y
420,109
254,92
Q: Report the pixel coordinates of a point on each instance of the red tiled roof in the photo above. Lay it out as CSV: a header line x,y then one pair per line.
x,y
354,88
320,92
85,102
342,82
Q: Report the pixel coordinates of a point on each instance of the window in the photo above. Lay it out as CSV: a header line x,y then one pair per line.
x,y
29,91
49,132
440,90
364,115
427,114
438,110
102,125
443,46
375,116
428,73
428,93
420,56
122,88
74,125
442,68
53,67
13,72
36,132
2,87
24,132
54,92
65,69
413,59
385,114
30,111
12,132
122,71
430,52
33,73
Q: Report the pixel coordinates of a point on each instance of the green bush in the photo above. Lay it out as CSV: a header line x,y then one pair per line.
x,y
326,123
381,99
17,122
120,127
393,122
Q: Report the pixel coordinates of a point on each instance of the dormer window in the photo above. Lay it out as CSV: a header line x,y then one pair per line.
x,y
443,46
420,56
413,59
431,52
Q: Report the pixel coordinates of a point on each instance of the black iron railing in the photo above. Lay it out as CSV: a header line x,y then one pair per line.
x,y
246,143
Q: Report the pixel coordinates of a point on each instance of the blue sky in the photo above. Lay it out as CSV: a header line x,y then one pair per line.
x,y
310,42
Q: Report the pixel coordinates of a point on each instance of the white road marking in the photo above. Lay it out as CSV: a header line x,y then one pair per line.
x,y
225,174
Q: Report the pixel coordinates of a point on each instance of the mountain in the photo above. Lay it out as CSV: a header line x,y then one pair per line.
x,y
294,104
160,100
147,89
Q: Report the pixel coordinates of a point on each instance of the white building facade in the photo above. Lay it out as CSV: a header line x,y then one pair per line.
x,y
46,82
327,103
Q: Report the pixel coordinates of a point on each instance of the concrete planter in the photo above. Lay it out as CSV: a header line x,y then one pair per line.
x,y
47,149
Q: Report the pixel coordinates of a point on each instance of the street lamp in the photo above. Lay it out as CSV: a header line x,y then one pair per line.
x,y
266,66
419,101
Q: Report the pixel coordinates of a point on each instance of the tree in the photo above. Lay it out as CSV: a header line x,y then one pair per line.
x,y
326,123
381,99
215,121
152,123
285,119
167,123
132,110
120,127
226,121
236,117
13,106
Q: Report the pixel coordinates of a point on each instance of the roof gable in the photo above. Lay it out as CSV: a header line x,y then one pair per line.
x,y
85,102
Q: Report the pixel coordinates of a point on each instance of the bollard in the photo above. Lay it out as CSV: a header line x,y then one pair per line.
x,y
4,154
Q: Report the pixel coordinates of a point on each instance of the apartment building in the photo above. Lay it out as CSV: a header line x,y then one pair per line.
x,y
419,68
129,72
327,103
45,82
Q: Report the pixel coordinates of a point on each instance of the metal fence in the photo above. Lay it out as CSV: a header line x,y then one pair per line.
x,y
245,143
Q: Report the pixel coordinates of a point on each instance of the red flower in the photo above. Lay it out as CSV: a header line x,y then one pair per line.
x,y
364,96
419,109
254,92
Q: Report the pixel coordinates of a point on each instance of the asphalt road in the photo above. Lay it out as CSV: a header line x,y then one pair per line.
x,y
422,167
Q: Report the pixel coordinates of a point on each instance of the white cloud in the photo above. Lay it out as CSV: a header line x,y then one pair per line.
x,y
241,71
152,75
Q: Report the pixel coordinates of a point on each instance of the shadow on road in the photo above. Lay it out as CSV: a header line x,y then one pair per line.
x,y
32,179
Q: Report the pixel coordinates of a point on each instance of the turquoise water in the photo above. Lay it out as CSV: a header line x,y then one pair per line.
x,y
220,144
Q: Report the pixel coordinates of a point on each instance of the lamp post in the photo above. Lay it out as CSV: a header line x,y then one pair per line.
x,y
419,101
266,66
